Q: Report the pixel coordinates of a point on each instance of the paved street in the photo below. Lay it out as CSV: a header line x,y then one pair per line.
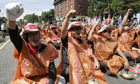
x,y
8,67
7,64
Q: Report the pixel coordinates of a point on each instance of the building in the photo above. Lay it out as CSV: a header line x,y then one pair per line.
x,y
63,6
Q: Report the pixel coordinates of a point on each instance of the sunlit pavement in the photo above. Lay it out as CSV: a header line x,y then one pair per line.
x,y
7,63
2,41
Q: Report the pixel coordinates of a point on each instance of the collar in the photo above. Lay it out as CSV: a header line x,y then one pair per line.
x,y
33,50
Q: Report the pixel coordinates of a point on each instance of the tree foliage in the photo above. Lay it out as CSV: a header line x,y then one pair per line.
x,y
97,7
48,16
114,6
45,16
31,18
2,19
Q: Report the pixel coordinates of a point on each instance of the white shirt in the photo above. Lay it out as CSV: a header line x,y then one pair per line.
x,y
3,27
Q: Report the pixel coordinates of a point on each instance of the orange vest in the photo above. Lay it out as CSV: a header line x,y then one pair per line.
x,y
15,53
104,51
125,42
30,65
137,40
103,48
81,67
59,68
83,33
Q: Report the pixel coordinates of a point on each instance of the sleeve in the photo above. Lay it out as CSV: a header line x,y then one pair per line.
x,y
65,41
55,44
52,73
16,39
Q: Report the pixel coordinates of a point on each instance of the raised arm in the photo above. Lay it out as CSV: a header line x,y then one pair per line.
x,y
12,25
124,20
13,11
90,36
65,24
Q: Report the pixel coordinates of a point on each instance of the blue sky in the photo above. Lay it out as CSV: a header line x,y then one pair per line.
x,y
30,6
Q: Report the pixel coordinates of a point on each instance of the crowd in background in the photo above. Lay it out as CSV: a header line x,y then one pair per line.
x,y
88,49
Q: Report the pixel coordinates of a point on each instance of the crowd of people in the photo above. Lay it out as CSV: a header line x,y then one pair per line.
x,y
87,51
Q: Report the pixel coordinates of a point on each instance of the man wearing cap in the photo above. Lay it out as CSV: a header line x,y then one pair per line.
x,y
36,60
83,66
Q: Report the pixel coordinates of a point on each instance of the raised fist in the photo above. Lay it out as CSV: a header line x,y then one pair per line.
x,y
14,10
129,11
71,13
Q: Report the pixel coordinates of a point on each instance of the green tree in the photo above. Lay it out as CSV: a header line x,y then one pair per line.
x,y
121,6
2,19
98,7
48,16
113,6
32,18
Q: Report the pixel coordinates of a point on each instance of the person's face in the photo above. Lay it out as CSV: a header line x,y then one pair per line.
x,y
76,31
34,38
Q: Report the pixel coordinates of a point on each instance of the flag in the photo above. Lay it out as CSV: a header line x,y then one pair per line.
x,y
108,19
98,19
89,21
112,21
120,20
103,22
